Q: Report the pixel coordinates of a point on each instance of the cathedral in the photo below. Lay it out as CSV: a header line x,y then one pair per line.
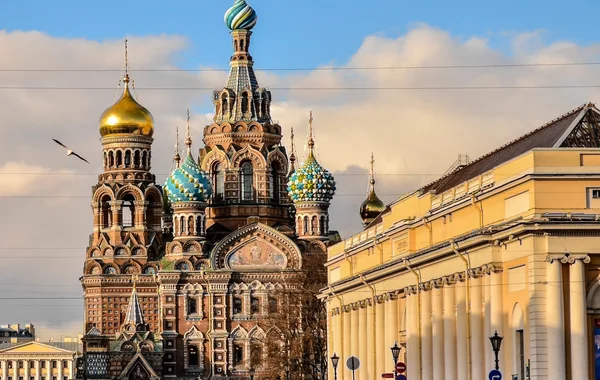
x,y
179,278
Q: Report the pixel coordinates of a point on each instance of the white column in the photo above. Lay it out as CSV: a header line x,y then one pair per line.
x,y
25,369
477,356
449,331
4,369
337,342
426,350
412,336
347,345
392,331
381,351
37,370
487,323
354,351
438,331
578,309
48,370
60,370
15,371
555,320
70,366
363,342
462,360
497,309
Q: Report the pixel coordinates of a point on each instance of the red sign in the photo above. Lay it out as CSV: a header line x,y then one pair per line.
x,y
400,367
597,322
387,375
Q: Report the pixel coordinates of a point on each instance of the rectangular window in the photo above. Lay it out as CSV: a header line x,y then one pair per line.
x,y
237,306
193,356
596,193
54,364
272,305
238,354
192,306
20,364
254,305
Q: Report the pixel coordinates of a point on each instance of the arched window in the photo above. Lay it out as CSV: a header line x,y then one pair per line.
x,y
305,225
263,107
136,159
235,45
128,211
127,158
192,306
322,230
182,225
144,159
225,102
256,354
242,44
119,158
315,226
152,221
247,181
105,211
218,182
191,230
105,160
275,181
238,354
245,103
111,159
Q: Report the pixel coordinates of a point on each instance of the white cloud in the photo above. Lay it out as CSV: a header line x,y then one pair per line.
x,y
415,134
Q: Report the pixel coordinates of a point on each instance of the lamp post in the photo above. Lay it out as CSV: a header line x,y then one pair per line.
x,y
251,371
334,361
496,341
395,355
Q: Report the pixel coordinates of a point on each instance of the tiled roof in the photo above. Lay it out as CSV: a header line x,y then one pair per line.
x,y
544,137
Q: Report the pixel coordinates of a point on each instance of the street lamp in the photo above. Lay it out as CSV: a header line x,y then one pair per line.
x,y
496,341
334,361
251,371
395,355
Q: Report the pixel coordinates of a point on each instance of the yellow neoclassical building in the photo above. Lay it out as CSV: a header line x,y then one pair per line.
x,y
38,361
509,242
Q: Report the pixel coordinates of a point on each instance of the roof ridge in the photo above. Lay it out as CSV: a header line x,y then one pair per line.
x,y
545,125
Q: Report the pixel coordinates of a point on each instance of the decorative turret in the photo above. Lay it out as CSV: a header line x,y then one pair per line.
x,y
134,319
372,206
188,190
311,188
240,16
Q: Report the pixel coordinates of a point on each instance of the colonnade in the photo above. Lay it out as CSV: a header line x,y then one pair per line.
x,y
37,371
445,329
555,319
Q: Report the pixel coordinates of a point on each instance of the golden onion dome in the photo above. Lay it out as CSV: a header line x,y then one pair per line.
x,y
126,116
371,208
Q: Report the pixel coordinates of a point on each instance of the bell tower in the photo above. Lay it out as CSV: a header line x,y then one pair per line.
x,y
127,208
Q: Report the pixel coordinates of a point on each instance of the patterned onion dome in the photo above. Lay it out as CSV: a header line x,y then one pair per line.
x,y
126,116
311,182
188,183
240,16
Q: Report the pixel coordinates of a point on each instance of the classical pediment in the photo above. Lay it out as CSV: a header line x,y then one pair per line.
x,y
34,348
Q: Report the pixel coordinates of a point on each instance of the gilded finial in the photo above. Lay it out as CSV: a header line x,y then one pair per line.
x,y
293,152
126,78
177,157
134,279
188,137
311,141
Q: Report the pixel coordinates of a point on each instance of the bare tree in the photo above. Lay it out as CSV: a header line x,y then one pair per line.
x,y
296,343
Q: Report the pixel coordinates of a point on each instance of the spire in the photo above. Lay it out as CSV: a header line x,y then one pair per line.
x,y
134,311
177,157
293,153
311,141
188,137
372,175
126,64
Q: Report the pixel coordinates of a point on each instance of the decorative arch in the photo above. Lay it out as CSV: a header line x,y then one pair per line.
x,y
150,269
107,269
183,265
270,242
192,247
239,333
101,192
255,127
593,295
257,333
130,189
277,155
240,127
316,246
174,247
214,156
94,268
251,154
131,267
122,250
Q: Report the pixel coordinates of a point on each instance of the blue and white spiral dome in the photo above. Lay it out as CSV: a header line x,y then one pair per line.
x,y
240,16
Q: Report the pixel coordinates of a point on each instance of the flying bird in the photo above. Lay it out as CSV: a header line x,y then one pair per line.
x,y
69,151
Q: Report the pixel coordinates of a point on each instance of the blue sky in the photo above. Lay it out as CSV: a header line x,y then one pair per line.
x,y
320,31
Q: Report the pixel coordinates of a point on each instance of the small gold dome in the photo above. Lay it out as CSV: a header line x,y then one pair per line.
x,y
371,208
126,116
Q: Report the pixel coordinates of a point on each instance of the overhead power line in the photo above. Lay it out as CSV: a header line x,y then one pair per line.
x,y
408,88
332,68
